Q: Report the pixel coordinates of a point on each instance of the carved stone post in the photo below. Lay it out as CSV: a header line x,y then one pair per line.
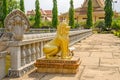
x,y
15,61
17,24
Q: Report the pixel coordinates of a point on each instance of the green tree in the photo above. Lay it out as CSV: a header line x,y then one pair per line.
x,y
38,14
13,4
22,5
89,21
54,14
1,13
4,10
1,10
71,15
108,13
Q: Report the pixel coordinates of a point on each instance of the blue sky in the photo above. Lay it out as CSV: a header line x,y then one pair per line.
x,y
63,5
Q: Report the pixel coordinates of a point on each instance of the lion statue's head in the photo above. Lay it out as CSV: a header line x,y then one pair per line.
x,y
63,29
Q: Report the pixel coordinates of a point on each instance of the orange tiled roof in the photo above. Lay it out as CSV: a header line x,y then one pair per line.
x,y
43,12
49,12
100,3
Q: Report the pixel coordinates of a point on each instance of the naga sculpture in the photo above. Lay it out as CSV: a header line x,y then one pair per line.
x,y
59,44
17,23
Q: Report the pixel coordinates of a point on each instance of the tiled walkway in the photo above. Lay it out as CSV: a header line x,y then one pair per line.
x,y
100,55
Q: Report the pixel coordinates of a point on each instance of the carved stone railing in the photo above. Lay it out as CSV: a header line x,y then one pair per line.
x,y
25,52
2,64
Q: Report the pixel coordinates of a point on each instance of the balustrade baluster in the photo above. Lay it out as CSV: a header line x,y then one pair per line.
x,y
37,50
33,51
40,49
29,53
23,56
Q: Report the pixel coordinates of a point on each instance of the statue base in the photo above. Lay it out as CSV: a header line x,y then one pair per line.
x,y
58,65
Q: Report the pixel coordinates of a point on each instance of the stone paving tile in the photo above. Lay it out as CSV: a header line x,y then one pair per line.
x,y
110,50
82,54
101,46
102,54
116,55
110,62
90,61
100,73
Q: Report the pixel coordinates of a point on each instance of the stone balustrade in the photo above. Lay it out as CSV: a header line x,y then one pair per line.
x,y
25,49
24,53
2,64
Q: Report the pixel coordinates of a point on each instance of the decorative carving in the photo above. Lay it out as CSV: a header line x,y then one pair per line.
x,y
58,65
21,72
59,44
17,23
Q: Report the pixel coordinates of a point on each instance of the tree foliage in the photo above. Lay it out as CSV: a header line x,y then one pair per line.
x,y
116,24
54,14
13,4
108,13
3,11
38,14
89,21
71,15
7,6
22,5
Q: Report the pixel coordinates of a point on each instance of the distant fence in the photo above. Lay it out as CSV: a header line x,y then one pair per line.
x,y
38,30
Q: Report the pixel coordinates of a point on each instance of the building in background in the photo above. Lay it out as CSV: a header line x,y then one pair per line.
x,y
45,14
81,12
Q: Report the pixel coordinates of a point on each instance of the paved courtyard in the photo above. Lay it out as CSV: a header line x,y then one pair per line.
x,y
100,55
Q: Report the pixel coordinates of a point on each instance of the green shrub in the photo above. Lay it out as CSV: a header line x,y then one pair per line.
x,y
46,23
114,32
83,24
1,24
118,34
116,24
100,26
32,23
77,25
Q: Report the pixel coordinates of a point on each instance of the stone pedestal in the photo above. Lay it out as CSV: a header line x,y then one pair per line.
x,y
58,65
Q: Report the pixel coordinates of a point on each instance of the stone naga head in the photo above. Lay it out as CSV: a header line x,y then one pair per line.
x,y
17,23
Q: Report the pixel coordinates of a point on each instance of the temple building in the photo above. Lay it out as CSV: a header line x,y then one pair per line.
x,y
81,12
45,14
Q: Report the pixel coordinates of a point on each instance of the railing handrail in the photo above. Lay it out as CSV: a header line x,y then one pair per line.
x,y
40,30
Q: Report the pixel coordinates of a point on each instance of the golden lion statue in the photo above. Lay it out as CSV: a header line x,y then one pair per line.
x,y
59,44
